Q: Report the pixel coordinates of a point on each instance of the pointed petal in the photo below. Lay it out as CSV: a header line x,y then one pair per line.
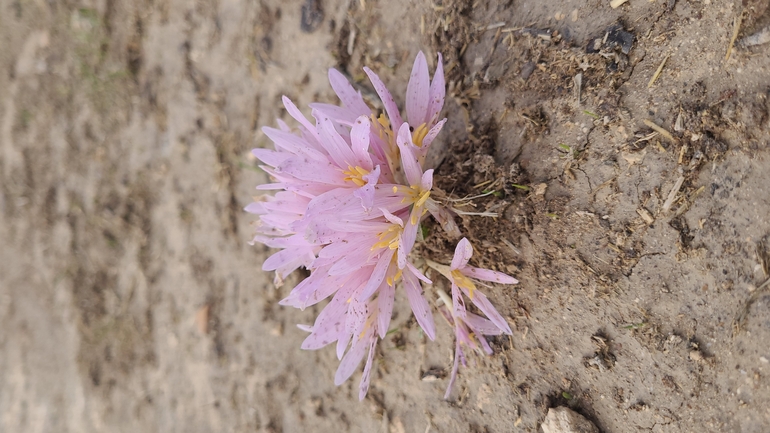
x,y
482,325
392,218
307,169
359,139
363,386
385,299
488,275
378,274
406,243
432,133
418,92
455,367
420,306
409,163
463,253
437,93
351,99
338,149
342,344
458,303
292,143
387,99
442,215
481,301
338,114
299,117
426,183
350,361
271,157
418,274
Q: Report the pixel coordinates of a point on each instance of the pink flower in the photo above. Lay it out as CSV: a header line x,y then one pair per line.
x,y
470,330
467,324
352,192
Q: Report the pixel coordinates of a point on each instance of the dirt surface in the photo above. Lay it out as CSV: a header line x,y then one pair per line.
x,y
130,299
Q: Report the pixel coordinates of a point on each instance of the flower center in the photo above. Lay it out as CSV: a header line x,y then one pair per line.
x,y
388,238
463,281
416,195
356,175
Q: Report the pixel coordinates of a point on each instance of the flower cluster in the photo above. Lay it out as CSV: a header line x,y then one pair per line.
x,y
352,193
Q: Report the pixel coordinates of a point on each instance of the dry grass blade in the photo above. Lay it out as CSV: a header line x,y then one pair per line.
x,y
660,130
614,4
672,195
736,29
658,71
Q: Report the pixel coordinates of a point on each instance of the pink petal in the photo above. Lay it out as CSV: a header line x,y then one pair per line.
x,y
463,253
299,117
442,215
342,344
408,237
437,92
426,183
488,275
419,305
349,97
385,299
329,323
271,157
338,114
409,163
284,127
255,208
363,386
366,195
356,317
481,325
418,91
355,259
387,100
307,169
418,274
378,274
432,133
481,301
455,367
292,143
287,258
350,361
359,139
339,150
458,303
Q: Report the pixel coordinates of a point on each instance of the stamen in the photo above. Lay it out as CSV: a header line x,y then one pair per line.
x,y
423,198
356,175
419,134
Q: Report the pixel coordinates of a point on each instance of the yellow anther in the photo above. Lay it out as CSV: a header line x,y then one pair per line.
x,y
382,120
356,175
464,282
423,198
395,189
419,134
388,238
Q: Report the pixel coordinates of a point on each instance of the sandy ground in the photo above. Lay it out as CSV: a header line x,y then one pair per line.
x,y
131,301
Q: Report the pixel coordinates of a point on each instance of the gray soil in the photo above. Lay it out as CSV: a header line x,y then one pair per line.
x,y
130,299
